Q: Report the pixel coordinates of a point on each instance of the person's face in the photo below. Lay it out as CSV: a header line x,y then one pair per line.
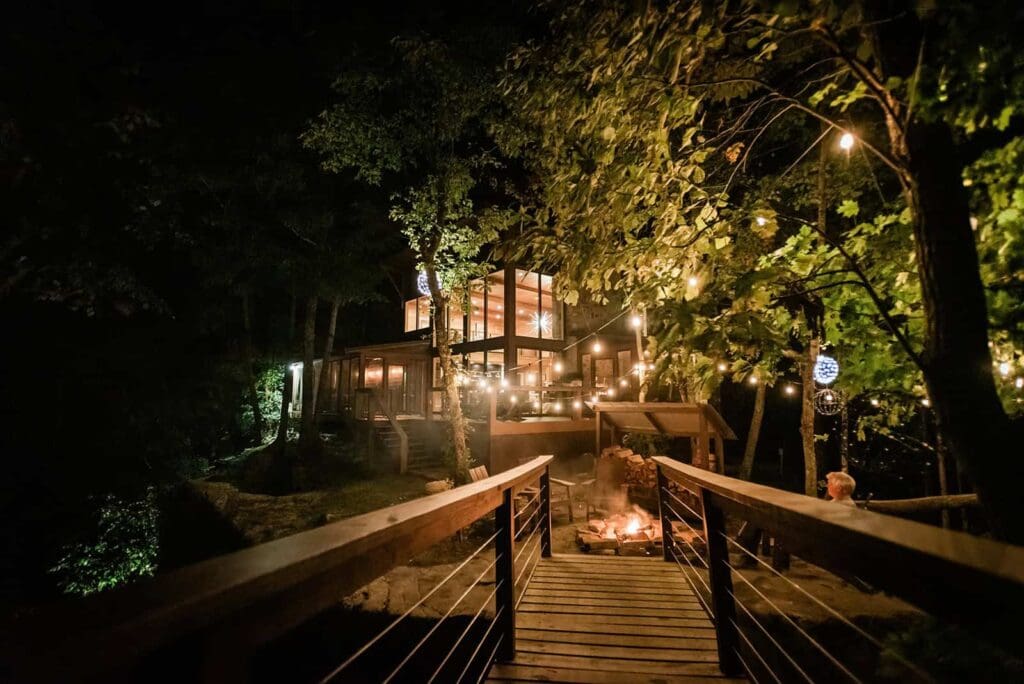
x,y
834,490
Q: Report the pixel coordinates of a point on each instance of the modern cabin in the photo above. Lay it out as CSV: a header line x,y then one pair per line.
x,y
532,368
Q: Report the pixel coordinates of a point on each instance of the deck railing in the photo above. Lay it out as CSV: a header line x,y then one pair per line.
x,y
217,614
977,583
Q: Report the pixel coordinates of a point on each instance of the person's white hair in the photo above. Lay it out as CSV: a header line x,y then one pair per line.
x,y
843,481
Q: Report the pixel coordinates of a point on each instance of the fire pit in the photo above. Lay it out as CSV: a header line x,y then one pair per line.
x,y
632,530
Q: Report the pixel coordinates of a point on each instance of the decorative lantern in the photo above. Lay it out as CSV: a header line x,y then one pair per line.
x,y
826,369
828,402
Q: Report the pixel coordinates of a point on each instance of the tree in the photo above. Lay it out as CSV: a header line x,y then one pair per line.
x,y
664,112
416,117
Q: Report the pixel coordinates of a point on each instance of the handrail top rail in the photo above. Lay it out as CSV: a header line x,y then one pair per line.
x,y
985,556
216,589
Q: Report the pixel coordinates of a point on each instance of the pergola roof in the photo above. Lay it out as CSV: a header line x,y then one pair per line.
x,y
666,418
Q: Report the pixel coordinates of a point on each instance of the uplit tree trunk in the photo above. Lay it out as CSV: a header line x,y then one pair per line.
x,y
308,434
807,419
453,403
286,396
956,360
247,361
325,367
747,467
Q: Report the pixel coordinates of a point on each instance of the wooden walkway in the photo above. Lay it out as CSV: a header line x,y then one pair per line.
x,y
610,619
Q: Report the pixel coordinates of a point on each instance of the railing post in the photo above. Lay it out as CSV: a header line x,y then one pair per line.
x,y
545,514
504,572
720,578
667,540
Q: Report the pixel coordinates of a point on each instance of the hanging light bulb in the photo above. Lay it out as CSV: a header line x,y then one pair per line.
x,y
610,392
593,399
625,383
874,402
692,281
789,389
761,220
926,402
513,399
482,384
557,406
752,379
597,346
846,141
1018,383
1004,369
636,321
577,404
722,367
558,366
504,382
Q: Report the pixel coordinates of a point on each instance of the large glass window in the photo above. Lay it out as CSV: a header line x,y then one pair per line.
x,y
417,314
456,321
477,317
374,375
550,311
534,367
538,314
496,304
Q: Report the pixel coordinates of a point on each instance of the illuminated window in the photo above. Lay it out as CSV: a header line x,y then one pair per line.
x,y
417,314
496,304
534,367
537,312
477,318
374,375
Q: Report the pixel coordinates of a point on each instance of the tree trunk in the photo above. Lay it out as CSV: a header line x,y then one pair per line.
x,y
844,438
308,436
286,395
247,361
325,368
807,420
956,359
453,404
747,467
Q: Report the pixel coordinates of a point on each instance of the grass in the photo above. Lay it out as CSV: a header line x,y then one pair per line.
x,y
371,493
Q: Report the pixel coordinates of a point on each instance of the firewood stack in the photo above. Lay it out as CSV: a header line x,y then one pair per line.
x,y
641,473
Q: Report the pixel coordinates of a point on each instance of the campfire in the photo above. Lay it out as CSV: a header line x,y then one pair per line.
x,y
633,529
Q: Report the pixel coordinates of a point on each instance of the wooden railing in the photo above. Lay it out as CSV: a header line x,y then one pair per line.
x,y
228,607
975,582
368,408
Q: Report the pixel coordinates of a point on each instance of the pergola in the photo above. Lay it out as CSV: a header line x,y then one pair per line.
x,y
700,422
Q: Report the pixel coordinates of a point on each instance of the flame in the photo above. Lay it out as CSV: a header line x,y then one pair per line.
x,y
633,526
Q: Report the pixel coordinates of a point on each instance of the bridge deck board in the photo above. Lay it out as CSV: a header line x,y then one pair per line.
x,y
574,625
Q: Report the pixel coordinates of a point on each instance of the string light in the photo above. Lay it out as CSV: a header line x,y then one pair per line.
x,y
483,384
846,141
513,399
1004,369
752,379
1018,383
761,220
558,366
625,383
610,392
597,346
593,399
722,367
557,406
826,369
692,281
926,402
577,404
504,382
789,389
874,402
636,321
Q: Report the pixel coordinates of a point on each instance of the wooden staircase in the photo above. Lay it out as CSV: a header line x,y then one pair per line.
x,y
424,449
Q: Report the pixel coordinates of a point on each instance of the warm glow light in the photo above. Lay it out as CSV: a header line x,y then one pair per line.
x,y
593,399
531,378
926,401
636,321
597,346
557,406
625,383
610,392
1018,383
692,281
577,404
513,398
558,366
482,384
536,405
504,382
846,141
1004,369
752,379
761,220
541,322
874,402
789,389
722,367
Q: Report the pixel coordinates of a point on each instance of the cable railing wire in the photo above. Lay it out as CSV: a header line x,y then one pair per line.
x,y
753,650
768,634
696,592
524,544
683,503
832,611
526,505
811,640
334,673
439,622
746,668
490,659
458,642
527,564
529,521
685,541
483,639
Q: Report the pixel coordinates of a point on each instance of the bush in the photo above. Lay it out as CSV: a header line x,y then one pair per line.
x,y
120,546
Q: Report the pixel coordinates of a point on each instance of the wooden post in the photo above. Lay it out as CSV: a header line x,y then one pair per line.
x,y
504,572
720,452
545,513
720,578
667,541
704,443
597,433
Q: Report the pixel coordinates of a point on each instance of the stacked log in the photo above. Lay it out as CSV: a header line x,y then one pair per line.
x,y
641,474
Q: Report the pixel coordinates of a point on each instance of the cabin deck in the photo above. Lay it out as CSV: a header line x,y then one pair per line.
x,y
603,618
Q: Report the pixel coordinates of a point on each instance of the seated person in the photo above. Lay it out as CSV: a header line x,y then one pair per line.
x,y
840,488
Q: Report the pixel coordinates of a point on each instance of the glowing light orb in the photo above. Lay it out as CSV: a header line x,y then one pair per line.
x,y
846,141
826,369
541,322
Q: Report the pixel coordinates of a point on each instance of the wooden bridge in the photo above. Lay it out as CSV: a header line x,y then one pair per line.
x,y
260,614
